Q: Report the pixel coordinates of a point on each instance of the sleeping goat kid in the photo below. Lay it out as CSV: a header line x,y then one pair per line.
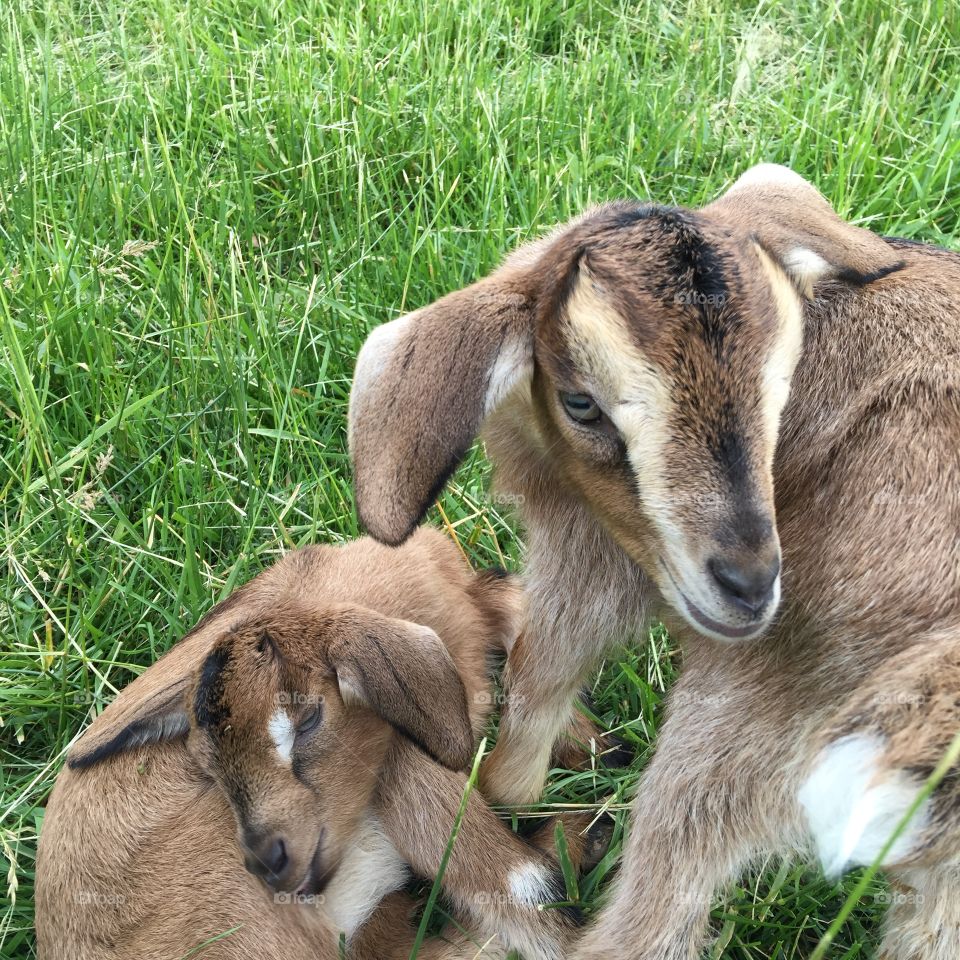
x,y
631,373
317,716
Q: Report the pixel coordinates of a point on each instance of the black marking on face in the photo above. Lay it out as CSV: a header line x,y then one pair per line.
x,y
622,217
209,704
729,451
692,257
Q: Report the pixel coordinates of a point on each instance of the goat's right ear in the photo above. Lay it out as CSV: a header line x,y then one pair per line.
x,y
404,672
159,717
422,387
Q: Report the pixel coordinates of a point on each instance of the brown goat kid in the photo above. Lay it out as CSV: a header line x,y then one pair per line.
x,y
317,717
632,373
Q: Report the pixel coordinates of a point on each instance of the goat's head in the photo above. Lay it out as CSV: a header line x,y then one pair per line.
x,y
291,713
654,348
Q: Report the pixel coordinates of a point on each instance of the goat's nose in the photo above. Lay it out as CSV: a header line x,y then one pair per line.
x,y
748,585
266,857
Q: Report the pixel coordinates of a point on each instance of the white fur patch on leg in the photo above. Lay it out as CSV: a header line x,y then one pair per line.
x,y
529,885
853,805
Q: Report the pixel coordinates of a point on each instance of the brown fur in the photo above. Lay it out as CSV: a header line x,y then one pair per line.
x,y
139,854
684,325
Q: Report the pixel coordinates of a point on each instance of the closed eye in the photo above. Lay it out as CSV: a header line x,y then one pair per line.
x,y
310,721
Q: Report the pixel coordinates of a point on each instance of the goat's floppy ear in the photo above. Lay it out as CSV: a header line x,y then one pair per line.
x,y
156,718
404,672
422,387
794,222
154,708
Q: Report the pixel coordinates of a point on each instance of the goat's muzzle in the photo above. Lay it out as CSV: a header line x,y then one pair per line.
x,y
735,597
267,856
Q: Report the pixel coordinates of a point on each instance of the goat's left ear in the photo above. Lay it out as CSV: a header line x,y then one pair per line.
x,y
157,717
794,222
404,672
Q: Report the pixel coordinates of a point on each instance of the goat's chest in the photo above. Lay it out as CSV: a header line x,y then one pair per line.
x,y
371,869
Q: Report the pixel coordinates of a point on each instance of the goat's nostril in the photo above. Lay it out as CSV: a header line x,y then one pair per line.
x,y
277,857
267,857
750,586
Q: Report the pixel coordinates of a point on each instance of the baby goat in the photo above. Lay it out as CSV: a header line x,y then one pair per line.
x,y
318,716
631,373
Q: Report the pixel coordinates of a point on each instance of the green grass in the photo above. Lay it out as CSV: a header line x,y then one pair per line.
x,y
206,204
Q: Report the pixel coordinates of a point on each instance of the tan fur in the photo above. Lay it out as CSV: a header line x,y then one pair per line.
x,y
862,498
143,845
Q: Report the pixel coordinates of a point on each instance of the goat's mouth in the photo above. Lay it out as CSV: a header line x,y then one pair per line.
x,y
703,623
318,876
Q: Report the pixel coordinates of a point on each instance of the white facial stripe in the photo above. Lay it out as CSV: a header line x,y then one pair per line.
x,y
780,365
634,394
282,733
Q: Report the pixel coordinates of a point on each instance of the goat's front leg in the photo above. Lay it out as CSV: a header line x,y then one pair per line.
x,y
566,632
923,921
537,708
702,811
499,885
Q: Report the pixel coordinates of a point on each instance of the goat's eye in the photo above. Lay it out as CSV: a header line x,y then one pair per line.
x,y
310,720
581,407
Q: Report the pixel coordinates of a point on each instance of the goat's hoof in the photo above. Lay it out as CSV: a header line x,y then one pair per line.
x,y
619,754
597,841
